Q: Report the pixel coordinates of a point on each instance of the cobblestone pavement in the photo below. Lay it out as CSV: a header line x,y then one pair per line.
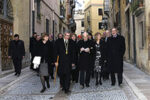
x,y
29,89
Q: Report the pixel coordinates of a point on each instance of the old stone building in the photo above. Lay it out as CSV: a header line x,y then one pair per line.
x,y
79,19
132,20
14,18
93,10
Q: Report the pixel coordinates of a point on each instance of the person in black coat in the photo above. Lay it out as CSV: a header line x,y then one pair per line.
x,y
92,57
75,69
65,50
16,51
52,65
46,53
106,35
84,48
116,45
32,48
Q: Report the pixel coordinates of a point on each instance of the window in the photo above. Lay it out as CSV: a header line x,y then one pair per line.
x,y
38,9
47,26
6,9
82,23
1,7
141,34
100,12
100,25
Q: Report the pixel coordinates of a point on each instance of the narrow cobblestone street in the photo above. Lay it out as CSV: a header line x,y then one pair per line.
x,y
29,89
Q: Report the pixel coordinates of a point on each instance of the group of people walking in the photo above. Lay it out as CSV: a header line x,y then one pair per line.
x,y
80,59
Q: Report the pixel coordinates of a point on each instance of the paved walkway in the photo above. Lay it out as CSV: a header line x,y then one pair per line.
x,y
138,81
28,86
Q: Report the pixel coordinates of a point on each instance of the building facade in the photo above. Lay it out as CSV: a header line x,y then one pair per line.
x,y
14,19
45,16
79,19
93,10
131,17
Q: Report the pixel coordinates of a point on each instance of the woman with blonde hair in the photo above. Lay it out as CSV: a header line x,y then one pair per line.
x,y
98,58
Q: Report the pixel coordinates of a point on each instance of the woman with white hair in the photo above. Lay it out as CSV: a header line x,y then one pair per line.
x,y
84,60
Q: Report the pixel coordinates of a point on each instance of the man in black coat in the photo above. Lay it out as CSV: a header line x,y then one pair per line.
x,y
105,54
116,45
65,50
33,48
16,51
84,50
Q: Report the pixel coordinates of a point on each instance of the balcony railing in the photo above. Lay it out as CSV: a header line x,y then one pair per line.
x,y
106,6
137,4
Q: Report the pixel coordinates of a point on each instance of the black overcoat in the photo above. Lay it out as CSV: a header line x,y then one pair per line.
x,y
84,57
65,60
45,51
16,49
116,50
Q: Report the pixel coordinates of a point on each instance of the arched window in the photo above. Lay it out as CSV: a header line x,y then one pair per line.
x,y
6,9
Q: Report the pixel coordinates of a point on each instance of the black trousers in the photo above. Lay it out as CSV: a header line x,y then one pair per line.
x,y
51,69
17,64
119,76
85,77
65,80
32,57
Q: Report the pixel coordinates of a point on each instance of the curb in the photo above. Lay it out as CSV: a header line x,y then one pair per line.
x,y
136,91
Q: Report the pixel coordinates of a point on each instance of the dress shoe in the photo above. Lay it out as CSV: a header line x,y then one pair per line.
x,y
82,86
18,75
87,85
43,90
113,84
67,92
96,83
15,74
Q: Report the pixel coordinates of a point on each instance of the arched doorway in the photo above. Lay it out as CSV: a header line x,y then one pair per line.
x,y
6,32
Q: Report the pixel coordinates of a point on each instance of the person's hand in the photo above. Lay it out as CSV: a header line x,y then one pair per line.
x,y
73,65
56,64
9,57
82,49
87,50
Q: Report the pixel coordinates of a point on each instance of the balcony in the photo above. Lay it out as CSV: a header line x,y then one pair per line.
x,y
106,7
137,7
88,18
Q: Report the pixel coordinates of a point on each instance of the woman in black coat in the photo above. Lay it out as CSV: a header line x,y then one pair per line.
x,y
84,60
75,69
45,52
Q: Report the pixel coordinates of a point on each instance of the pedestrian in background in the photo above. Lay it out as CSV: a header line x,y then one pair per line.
x,y
84,60
116,47
46,54
32,48
16,51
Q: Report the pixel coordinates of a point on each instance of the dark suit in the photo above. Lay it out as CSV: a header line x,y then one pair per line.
x,y
17,51
65,61
84,62
33,49
116,52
